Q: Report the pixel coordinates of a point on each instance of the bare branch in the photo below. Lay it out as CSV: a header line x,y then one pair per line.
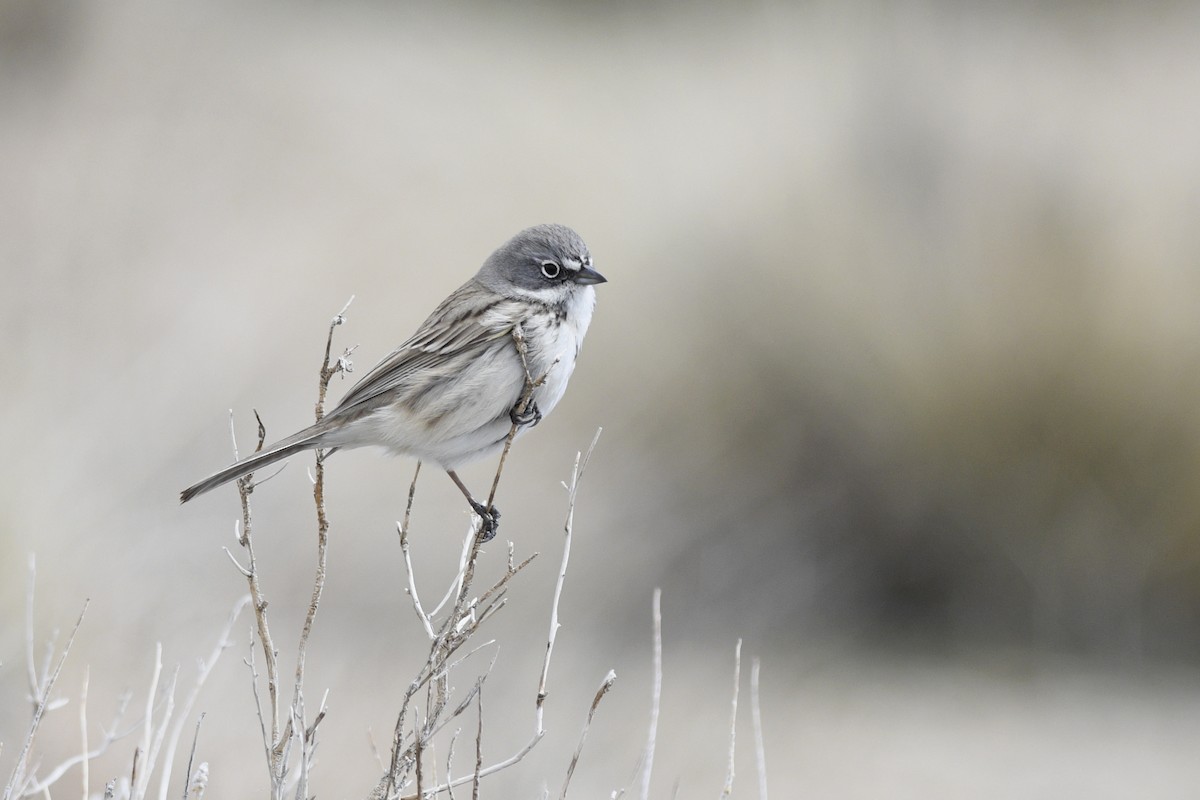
x,y
459,616
327,372
236,564
656,697
426,622
737,682
262,724
478,746
259,604
204,670
412,492
187,778
581,462
17,779
153,734
85,756
340,365
523,404
464,557
605,685
199,782
450,764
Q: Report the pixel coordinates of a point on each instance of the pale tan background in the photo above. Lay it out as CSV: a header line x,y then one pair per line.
x,y
898,366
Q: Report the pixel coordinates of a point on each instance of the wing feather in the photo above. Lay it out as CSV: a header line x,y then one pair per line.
x,y
468,320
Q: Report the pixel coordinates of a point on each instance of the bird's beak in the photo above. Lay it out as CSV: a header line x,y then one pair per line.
x,y
587,276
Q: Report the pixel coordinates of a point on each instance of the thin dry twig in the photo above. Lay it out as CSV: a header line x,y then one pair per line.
x,y
205,668
187,778
605,685
531,385
199,783
478,746
403,528
737,682
340,366
17,780
450,764
581,462
85,756
656,696
328,370
245,487
153,733
453,588
760,753
278,742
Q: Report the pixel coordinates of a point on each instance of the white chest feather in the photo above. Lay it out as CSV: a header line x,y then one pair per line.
x,y
554,342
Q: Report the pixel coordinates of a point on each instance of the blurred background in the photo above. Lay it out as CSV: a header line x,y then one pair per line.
x,y
898,367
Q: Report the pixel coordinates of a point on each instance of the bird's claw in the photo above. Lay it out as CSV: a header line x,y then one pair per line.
x,y
489,520
531,416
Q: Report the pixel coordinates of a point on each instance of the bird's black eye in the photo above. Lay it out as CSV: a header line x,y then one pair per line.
x,y
551,270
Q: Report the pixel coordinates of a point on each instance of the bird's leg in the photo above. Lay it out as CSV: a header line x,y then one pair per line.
x,y
529,415
490,516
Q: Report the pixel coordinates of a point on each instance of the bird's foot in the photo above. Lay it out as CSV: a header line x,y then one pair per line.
x,y
489,520
531,416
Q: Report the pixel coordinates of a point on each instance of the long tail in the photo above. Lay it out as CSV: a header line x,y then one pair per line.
x,y
307,439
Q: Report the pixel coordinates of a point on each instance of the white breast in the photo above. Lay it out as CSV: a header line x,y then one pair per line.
x,y
550,341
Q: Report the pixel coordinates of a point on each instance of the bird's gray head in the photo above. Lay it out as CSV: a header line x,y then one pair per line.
x,y
550,261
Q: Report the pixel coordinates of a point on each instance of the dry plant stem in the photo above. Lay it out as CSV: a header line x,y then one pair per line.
x,y
418,746
656,697
478,746
302,650
450,764
277,743
340,366
153,733
581,462
205,668
737,682
41,690
308,733
85,756
403,528
433,677
605,685
274,744
187,778
425,619
518,335
760,754
458,615
452,589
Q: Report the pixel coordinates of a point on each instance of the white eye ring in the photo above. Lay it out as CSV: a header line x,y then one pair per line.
x,y
551,270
